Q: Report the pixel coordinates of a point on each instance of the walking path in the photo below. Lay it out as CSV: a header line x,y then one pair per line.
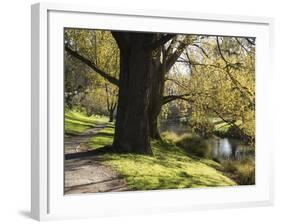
x,y
86,174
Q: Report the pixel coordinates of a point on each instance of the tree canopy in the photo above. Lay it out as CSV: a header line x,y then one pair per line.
x,y
195,78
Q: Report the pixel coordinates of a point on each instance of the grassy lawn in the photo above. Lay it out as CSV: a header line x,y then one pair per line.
x,y
221,127
170,167
76,122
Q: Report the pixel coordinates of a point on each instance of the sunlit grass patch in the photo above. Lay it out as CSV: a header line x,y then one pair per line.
x,y
170,167
76,122
224,129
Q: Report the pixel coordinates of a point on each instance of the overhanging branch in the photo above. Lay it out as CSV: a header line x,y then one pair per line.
x,y
250,41
171,60
170,98
201,48
92,66
161,41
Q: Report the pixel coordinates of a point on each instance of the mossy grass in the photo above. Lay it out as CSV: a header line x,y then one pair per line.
x,y
170,167
76,122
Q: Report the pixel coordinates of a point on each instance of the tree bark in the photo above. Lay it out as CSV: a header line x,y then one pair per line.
x,y
148,43
136,71
158,85
111,112
156,97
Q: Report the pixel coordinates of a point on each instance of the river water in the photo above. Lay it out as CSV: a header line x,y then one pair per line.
x,y
221,148
230,149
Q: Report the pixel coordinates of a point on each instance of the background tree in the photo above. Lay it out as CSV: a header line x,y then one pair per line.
x,y
220,84
99,96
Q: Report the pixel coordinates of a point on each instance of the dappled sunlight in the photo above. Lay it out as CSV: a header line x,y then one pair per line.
x,y
170,167
158,110
77,122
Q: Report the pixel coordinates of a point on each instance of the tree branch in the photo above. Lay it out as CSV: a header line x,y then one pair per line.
x,y
242,89
203,51
250,41
92,66
171,60
219,48
177,83
161,41
231,123
238,41
170,98
235,81
171,46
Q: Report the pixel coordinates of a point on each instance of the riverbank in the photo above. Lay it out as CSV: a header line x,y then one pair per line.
x,y
237,160
170,167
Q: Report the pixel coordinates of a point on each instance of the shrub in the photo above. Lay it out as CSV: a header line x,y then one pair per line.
x,y
170,137
242,171
195,145
204,127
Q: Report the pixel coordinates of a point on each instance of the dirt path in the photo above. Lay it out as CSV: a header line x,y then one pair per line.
x,y
78,143
86,174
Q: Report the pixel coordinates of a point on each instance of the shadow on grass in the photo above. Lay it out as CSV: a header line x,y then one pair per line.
x,y
171,167
105,134
96,152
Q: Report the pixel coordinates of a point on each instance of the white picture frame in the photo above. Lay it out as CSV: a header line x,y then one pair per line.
x,y
48,201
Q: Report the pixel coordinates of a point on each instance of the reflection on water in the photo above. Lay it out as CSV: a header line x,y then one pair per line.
x,y
230,149
221,148
175,127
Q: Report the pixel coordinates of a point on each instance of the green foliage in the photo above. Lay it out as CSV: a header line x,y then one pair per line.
x,y
203,127
83,86
192,144
216,86
219,83
195,145
243,172
170,137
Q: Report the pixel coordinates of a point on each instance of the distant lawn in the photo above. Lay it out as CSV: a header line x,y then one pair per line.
x,y
221,126
103,137
169,168
77,122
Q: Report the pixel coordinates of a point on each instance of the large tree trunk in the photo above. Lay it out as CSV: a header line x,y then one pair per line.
x,y
156,96
132,121
131,51
155,105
